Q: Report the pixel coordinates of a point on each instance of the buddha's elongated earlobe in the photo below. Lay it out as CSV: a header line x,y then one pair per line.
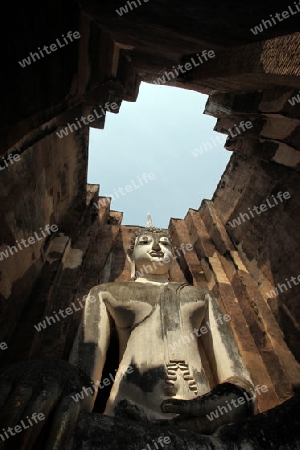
x,y
132,265
171,270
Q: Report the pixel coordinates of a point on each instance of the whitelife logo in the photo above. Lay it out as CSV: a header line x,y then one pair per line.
x,y
53,47
106,382
274,292
31,240
9,160
236,403
267,23
294,100
263,207
124,9
49,320
205,146
87,119
186,67
128,188
23,426
188,338
161,440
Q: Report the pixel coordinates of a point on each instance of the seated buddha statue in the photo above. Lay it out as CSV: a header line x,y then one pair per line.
x,y
168,366
180,380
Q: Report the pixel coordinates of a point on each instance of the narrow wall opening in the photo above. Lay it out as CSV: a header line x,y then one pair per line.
x,y
159,154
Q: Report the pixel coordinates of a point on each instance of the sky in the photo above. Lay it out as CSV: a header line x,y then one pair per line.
x,y
144,158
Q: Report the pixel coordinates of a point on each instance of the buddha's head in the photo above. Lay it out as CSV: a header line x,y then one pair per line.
x,y
150,254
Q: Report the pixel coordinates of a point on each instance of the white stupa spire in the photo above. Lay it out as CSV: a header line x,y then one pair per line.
x,y
149,223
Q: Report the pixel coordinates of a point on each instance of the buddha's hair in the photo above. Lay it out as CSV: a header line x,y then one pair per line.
x,y
146,230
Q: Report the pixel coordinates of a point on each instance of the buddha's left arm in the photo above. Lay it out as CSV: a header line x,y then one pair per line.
x,y
92,341
233,398
223,353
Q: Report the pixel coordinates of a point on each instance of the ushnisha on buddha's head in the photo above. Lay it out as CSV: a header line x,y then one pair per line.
x,y
150,255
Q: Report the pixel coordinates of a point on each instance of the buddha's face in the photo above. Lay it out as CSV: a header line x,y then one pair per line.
x,y
153,249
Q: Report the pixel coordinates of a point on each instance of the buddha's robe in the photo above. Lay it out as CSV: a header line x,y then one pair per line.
x,y
157,327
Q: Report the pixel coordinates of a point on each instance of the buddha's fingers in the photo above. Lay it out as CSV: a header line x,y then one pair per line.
x,y
5,389
35,416
14,405
63,425
223,394
32,395
196,407
224,414
197,424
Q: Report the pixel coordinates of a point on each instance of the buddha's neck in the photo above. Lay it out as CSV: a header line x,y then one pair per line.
x,y
154,279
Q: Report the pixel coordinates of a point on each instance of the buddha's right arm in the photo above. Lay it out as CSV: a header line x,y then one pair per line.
x,y
91,342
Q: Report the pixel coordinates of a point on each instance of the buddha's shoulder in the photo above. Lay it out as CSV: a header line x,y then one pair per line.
x,y
193,292
123,288
130,288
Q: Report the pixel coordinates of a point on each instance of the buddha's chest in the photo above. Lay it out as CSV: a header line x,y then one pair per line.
x,y
170,312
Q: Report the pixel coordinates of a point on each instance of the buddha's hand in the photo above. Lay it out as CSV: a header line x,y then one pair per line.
x,y
226,403
38,404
